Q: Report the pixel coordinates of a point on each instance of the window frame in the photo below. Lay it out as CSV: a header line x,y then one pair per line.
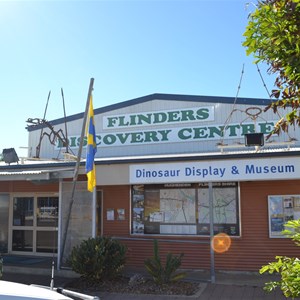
x,y
284,206
34,228
137,222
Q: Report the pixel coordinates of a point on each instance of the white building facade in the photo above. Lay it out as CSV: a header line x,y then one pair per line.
x,y
169,167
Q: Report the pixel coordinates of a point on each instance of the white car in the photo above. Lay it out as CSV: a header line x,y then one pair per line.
x,y
18,291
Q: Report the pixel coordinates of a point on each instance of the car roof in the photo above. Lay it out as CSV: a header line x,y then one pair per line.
x,y
18,291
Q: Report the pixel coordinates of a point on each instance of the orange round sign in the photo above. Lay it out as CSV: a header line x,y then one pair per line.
x,y
221,242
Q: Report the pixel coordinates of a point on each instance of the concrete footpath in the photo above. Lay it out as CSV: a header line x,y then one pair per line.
x,y
228,285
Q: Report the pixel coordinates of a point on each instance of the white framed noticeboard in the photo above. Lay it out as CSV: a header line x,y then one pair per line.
x,y
282,208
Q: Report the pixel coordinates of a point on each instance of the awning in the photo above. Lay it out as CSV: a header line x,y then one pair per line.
x,y
37,175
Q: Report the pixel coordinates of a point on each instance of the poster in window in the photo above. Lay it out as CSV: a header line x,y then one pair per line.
x,y
277,225
178,205
152,227
296,208
184,209
121,214
225,209
138,220
110,214
282,208
152,206
138,209
138,196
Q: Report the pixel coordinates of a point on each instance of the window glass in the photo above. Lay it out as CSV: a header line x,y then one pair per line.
x,y
4,213
35,224
184,209
23,211
225,208
46,241
47,211
22,240
282,208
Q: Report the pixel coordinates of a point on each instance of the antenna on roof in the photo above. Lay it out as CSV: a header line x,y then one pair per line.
x,y
66,128
53,135
252,113
38,147
233,107
270,96
262,79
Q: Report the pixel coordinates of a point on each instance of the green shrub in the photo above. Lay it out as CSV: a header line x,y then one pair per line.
x,y
288,268
164,274
98,258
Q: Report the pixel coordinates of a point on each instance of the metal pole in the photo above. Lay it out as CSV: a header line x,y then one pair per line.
x,y
211,220
94,211
38,148
83,129
75,176
66,127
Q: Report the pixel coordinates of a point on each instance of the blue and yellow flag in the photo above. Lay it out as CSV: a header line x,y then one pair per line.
x,y
91,149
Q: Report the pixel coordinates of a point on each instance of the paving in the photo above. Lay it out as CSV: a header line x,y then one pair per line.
x,y
228,285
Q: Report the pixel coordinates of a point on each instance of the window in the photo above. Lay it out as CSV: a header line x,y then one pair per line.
x,y
47,211
23,211
34,224
22,240
183,209
4,219
282,208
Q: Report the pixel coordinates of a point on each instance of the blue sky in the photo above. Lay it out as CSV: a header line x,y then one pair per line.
x,y
131,48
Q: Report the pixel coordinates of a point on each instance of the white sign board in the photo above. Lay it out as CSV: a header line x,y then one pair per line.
x,y
217,170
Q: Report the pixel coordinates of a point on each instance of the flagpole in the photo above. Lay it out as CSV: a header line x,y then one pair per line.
x,y
75,176
94,213
83,129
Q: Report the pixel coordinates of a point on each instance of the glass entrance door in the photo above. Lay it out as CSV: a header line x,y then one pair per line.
x,y
34,224
22,234
47,224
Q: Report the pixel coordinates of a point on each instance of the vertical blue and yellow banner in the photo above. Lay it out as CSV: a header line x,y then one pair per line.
x,y
91,149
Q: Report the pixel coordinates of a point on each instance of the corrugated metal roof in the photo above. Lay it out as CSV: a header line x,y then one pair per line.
x,y
159,96
32,174
36,166
248,153
23,173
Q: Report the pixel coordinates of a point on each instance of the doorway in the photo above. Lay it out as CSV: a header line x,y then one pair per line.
x,y
34,224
